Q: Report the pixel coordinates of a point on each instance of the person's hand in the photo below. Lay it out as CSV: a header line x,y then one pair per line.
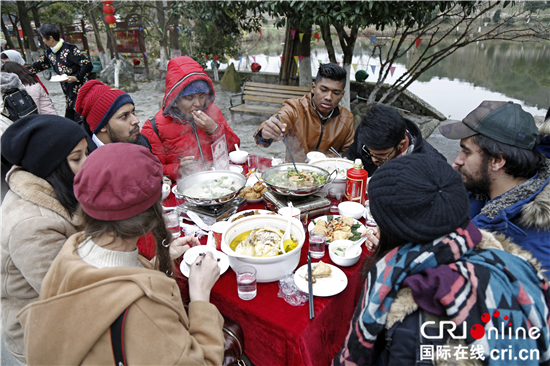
x,y
72,79
273,129
181,244
203,275
187,161
373,237
204,121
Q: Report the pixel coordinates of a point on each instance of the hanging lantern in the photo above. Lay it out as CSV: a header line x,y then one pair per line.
x,y
108,2
111,20
108,9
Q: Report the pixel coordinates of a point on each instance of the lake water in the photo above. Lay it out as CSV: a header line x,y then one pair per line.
x,y
494,70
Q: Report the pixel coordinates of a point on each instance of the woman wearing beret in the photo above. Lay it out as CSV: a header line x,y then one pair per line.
x,y
38,211
98,277
182,132
434,266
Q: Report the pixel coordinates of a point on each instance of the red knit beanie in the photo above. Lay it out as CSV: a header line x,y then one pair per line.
x,y
97,103
118,181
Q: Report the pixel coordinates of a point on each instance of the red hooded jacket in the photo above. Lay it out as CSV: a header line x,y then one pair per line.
x,y
176,137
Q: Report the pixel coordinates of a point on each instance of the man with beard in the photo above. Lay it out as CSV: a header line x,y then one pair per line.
x,y
383,135
109,116
506,173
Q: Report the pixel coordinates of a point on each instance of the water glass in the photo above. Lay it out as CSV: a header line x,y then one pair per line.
x,y
172,220
246,282
316,245
335,196
253,162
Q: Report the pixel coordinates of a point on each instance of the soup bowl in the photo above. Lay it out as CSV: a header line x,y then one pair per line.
x,y
268,269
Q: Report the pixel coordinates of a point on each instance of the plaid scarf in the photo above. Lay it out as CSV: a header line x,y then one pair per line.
x,y
488,280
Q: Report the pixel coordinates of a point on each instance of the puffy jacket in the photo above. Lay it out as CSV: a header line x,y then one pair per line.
x,y
306,133
70,325
41,98
34,228
177,138
421,146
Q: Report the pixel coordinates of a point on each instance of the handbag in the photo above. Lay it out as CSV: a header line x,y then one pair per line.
x,y
232,333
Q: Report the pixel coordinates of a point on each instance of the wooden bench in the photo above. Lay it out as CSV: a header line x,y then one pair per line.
x,y
267,93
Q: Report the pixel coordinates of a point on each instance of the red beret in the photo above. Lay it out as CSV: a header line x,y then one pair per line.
x,y
118,181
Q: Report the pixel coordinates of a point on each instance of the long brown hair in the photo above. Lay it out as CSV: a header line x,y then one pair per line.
x,y
151,220
24,75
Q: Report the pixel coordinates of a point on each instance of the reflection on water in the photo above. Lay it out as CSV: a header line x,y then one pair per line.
x,y
495,70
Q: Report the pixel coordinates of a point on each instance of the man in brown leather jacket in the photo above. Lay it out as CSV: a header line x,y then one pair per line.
x,y
314,122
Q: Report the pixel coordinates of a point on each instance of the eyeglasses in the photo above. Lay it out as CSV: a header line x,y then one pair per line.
x,y
379,160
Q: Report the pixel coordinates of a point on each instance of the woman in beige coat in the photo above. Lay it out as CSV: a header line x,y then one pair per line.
x,y
99,277
38,211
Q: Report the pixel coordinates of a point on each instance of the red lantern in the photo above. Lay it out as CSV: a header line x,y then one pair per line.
x,y
107,2
108,9
110,19
255,67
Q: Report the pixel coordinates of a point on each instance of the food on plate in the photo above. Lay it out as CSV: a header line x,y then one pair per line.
x,y
338,229
321,270
263,242
297,179
254,192
212,189
250,213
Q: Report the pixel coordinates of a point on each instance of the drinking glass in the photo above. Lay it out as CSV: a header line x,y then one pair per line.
x,y
253,161
335,197
172,220
316,245
246,282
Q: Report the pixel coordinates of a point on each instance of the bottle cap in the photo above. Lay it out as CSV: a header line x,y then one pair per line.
x,y
358,164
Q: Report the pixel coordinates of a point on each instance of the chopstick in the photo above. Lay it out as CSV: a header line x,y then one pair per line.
x,y
310,287
335,152
288,147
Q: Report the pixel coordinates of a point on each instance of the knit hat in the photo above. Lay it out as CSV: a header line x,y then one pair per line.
x,y
504,122
40,142
418,198
118,181
196,87
97,103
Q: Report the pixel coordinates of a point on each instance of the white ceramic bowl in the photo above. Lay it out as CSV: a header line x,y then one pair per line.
x,y
268,269
351,209
236,168
238,157
315,155
343,261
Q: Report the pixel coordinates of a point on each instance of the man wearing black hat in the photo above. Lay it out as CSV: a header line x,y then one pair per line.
x,y
506,173
383,135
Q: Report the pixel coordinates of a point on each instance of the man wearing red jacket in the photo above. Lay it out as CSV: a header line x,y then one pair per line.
x,y
182,132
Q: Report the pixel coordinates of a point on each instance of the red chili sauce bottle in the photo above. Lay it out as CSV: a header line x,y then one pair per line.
x,y
356,184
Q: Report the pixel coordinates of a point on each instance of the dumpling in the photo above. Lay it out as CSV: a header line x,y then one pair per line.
x,y
346,220
342,235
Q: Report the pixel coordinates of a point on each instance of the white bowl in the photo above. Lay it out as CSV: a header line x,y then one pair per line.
x,y
315,155
238,157
343,261
236,168
351,209
268,269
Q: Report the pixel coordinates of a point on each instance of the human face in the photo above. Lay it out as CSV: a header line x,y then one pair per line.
x,y
191,103
473,165
379,157
123,125
326,95
78,156
49,42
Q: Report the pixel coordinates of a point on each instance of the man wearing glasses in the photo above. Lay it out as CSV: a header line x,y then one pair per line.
x,y
384,134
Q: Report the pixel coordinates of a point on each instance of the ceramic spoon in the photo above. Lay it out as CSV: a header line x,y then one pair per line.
x,y
352,248
237,147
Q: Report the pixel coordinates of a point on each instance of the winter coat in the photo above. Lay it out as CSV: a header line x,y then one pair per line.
x,y
421,146
34,228
305,132
80,302
8,81
177,138
41,98
69,60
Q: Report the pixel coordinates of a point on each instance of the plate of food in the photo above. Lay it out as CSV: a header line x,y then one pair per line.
x,y
253,193
328,280
59,78
246,213
223,262
337,227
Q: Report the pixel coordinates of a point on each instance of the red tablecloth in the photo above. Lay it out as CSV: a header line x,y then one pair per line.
x,y
277,333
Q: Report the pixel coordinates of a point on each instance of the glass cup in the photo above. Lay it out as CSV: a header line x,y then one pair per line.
x,y
316,245
335,196
172,220
253,162
246,282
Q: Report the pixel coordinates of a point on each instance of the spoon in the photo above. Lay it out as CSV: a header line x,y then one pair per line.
x,y
351,249
286,236
237,148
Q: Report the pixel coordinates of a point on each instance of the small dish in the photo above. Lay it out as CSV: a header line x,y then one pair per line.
x,y
238,156
343,261
236,168
324,287
194,252
354,210
59,78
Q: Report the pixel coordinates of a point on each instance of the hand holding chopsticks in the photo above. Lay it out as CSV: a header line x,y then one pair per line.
x,y
310,287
